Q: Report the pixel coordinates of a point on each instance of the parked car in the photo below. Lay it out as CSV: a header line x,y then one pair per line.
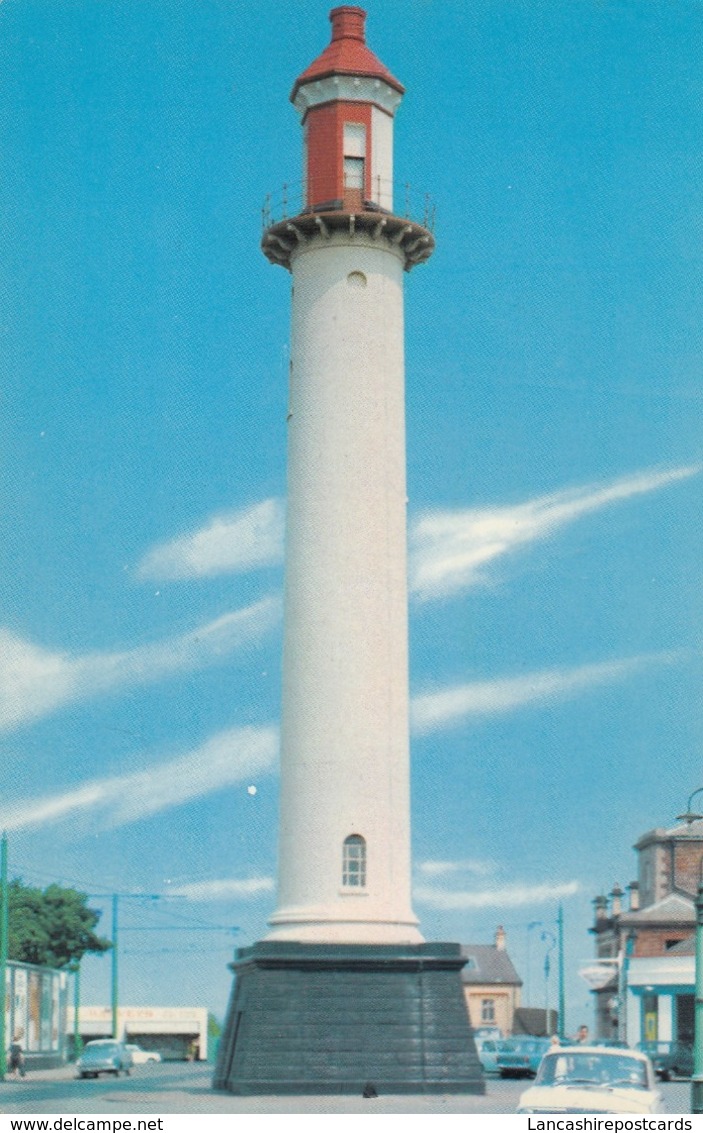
x,y
139,1055
103,1056
488,1032
669,1059
487,1050
593,1079
520,1056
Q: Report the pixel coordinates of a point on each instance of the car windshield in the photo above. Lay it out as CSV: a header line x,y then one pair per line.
x,y
592,1069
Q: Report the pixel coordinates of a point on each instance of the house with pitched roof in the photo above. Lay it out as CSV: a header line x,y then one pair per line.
x,y
491,984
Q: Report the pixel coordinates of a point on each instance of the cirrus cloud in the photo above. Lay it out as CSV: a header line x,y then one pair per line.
x,y
449,550
35,681
223,760
507,897
224,889
229,542
446,707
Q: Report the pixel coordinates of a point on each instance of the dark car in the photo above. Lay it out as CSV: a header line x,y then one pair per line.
x,y
669,1059
520,1057
103,1056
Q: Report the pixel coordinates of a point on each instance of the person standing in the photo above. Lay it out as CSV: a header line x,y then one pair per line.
x,y
16,1059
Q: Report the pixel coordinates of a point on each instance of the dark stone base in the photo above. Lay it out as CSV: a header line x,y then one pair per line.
x,y
334,1019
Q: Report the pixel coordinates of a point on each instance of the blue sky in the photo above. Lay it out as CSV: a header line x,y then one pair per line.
x,y
554,458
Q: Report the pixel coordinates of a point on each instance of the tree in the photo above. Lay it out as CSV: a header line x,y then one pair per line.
x,y
51,927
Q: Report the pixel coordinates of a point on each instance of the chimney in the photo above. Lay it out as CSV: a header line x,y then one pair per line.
x,y
500,938
348,23
601,907
634,891
616,900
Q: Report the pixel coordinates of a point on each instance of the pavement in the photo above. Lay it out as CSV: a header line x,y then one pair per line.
x,y
182,1088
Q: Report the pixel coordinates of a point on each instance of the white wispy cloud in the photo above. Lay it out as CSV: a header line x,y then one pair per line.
x,y
35,681
225,759
509,896
225,889
475,866
449,550
228,543
435,710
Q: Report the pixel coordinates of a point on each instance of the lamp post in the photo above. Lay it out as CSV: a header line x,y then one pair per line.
x,y
547,936
75,969
561,1021
697,1077
4,948
530,926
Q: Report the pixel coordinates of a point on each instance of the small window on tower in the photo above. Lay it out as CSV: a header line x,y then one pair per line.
x,y
354,861
354,173
354,155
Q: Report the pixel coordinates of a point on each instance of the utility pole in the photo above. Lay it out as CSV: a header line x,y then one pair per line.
x,y
561,1021
4,946
115,1000
115,944
77,1042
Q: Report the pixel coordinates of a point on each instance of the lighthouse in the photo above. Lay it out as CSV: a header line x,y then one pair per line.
x,y
343,991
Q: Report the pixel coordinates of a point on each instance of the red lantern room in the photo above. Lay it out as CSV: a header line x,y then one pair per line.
x,y
347,99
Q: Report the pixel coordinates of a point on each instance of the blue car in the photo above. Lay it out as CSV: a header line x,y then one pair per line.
x,y
520,1057
487,1051
104,1056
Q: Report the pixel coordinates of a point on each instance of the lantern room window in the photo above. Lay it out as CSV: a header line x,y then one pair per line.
x,y
354,173
354,156
354,862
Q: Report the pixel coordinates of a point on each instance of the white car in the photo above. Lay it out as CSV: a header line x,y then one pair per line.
x,y
140,1056
593,1079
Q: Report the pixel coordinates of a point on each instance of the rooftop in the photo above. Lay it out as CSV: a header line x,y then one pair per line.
x,y
347,54
487,964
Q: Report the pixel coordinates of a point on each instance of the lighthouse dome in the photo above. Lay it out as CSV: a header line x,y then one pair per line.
x,y
347,54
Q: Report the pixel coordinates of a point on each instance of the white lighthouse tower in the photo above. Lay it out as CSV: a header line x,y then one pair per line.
x,y
344,868
343,990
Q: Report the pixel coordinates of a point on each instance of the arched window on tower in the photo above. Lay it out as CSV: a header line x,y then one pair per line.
x,y
354,861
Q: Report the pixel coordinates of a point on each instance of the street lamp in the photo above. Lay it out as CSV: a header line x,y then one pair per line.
x,y
697,1076
547,936
530,926
75,969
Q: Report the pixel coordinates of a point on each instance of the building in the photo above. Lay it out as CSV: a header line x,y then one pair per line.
x,y
175,1032
492,987
35,1012
344,958
642,979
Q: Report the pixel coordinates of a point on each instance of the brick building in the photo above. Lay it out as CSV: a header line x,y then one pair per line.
x,y
643,943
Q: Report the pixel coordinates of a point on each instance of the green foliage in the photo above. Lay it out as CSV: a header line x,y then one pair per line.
x,y
214,1027
52,926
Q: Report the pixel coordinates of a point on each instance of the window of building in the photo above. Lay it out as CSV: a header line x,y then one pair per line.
x,y
354,155
354,861
650,1018
488,1010
354,173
